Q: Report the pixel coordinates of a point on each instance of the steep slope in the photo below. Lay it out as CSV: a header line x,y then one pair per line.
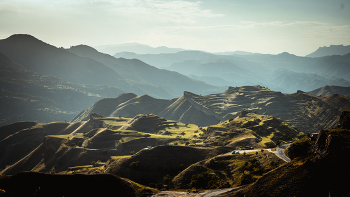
x,y
29,96
331,50
305,111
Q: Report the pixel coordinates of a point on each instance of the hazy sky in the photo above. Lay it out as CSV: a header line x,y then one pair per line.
x,y
265,26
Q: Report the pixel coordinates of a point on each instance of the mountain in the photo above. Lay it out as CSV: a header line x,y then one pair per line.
x,y
301,109
37,56
237,53
136,48
136,70
167,59
289,81
278,72
99,69
330,90
29,96
331,50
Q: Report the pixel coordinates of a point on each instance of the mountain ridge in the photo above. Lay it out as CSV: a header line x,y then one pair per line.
x,y
329,51
301,109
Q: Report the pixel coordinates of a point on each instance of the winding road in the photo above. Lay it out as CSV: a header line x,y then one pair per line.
x,y
279,152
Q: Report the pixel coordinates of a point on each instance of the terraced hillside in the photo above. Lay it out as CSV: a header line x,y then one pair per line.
x,y
302,110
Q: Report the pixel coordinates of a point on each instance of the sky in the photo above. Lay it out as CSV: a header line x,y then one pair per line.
x,y
263,26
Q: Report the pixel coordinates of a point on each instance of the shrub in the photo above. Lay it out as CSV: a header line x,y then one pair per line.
x,y
270,145
246,179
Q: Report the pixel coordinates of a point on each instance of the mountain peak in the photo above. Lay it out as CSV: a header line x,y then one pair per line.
x,y
84,48
22,38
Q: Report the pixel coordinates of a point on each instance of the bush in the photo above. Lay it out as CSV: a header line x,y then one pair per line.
x,y
246,179
270,145
203,180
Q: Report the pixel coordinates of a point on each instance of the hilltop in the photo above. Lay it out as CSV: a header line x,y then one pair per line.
x,y
301,110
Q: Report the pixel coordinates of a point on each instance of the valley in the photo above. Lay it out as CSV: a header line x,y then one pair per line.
x,y
171,121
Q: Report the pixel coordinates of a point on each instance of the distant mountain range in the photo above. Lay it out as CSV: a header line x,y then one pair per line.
x,y
283,72
331,50
136,48
302,110
43,83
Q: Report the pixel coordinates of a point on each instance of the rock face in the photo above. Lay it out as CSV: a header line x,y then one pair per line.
x,y
40,184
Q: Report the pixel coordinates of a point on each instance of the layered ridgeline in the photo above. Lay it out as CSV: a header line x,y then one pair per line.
x,y
42,83
302,110
85,65
28,96
331,50
283,72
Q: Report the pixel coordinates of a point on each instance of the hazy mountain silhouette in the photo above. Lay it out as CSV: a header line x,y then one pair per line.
x,y
46,59
141,72
29,96
331,50
94,68
136,48
284,72
237,53
167,59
